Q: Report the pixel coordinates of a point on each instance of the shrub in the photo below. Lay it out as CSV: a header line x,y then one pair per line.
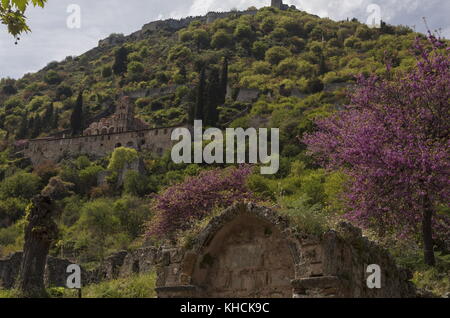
x,y
276,54
221,39
308,218
138,184
132,213
21,185
52,78
122,156
196,197
107,71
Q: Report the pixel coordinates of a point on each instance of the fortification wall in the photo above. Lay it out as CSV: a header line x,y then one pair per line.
x,y
155,140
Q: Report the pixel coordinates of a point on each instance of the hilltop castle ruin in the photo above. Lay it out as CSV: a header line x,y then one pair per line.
x,y
102,137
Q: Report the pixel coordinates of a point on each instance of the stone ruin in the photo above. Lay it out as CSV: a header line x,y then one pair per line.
x,y
249,251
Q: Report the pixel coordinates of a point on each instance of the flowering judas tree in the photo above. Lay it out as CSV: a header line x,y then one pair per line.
x,y
197,196
393,141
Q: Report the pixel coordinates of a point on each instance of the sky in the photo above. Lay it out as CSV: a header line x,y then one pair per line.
x,y
54,36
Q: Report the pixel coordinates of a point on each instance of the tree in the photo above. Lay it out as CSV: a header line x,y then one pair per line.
x,y
55,119
276,54
120,61
98,222
393,141
200,101
23,131
213,98
314,85
20,185
221,39
76,120
224,80
40,232
36,130
52,78
122,156
201,39
135,70
12,14
106,71
48,116
196,197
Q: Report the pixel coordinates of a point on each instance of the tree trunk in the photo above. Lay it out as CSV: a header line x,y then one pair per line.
x,y
40,232
427,233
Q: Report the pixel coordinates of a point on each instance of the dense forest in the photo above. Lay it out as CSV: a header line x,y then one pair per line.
x,y
205,65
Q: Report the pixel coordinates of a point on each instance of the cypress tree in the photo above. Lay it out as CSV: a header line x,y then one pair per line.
x,y
120,61
214,98
36,127
48,116
76,120
30,125
322,65
55,119
23,128
200,101
224,80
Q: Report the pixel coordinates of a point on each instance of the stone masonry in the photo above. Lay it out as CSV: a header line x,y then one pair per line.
x,y
121,129
249,251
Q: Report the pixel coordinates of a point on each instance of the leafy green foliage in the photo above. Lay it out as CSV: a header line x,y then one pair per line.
x,y
122,156
12,14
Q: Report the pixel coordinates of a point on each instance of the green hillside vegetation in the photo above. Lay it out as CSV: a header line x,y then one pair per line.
x,y
273,51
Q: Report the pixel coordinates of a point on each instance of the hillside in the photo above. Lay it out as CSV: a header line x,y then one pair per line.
x,y
272,51
256,68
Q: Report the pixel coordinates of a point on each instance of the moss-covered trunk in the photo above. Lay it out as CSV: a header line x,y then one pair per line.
x,y
40,231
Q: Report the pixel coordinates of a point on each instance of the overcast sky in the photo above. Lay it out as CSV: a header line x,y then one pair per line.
x,y
51,39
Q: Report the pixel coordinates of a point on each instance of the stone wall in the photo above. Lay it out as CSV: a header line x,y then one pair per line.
x,y
120,264
250,251
54,149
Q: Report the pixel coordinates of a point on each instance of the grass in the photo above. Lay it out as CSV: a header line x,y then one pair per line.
x,y
138,286
311,219
433,279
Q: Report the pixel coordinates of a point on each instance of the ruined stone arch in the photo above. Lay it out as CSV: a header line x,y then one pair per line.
x,y
251,251
104,131
244,252
111,130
